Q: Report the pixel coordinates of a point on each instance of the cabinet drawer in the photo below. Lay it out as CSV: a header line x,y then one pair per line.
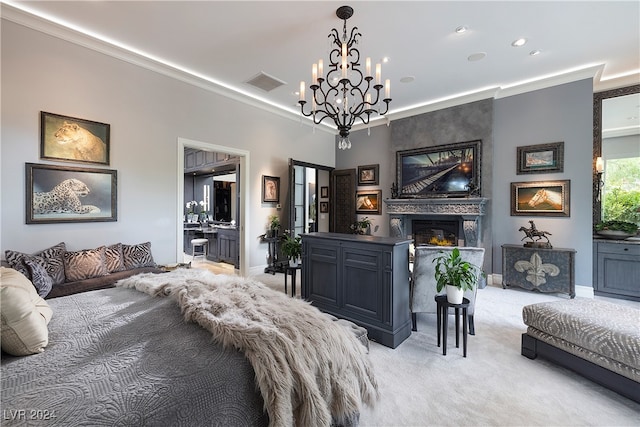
x,y
619,248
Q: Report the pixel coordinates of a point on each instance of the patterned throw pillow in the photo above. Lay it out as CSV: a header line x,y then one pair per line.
x,y
136,256
52,258
114,258
85,264
39,276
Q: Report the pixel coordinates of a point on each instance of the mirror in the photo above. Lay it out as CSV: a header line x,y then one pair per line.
x,y
614,136
308,201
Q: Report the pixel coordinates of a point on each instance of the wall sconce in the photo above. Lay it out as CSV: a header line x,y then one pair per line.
x,y
599,172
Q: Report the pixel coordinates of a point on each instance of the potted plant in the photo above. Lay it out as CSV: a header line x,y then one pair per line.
x,y
363,226
455,274
616,229
291,247
274,225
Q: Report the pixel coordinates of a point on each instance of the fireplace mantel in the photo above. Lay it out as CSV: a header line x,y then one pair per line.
x,y
468,209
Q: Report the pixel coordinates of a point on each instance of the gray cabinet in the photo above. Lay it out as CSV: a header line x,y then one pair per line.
x,y
198,160
544,270
616,269
227,246
364,279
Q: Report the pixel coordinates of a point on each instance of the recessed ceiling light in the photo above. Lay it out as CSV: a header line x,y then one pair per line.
x,y
407,79
385,59
535,52
519,42
476,56
461,29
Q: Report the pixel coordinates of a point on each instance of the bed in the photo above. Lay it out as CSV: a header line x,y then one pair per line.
x,y
122,357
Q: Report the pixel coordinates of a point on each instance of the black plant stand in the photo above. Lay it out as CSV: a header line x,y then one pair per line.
x,y
442,319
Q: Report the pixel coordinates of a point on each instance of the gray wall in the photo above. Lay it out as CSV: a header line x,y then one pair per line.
x,y
148,112
561,113
461,123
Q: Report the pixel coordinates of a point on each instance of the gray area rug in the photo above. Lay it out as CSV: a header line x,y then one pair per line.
x,y
494,385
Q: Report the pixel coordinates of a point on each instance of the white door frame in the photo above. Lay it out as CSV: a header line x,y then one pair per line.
x,y
244,195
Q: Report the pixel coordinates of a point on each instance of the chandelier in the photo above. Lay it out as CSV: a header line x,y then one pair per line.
x,y
345,93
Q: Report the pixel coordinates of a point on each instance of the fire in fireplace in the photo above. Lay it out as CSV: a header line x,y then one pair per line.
x,y
435,232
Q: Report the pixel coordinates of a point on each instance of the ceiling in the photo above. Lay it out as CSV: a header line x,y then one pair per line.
x,y
222,44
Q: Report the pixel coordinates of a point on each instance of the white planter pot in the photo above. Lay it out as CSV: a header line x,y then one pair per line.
x,y
454,294
293,262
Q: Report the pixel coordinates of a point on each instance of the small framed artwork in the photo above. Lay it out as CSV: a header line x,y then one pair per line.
x,y
58,194
369,202
541,158
324,207
73,140
368,175
270,189
324,192
542,198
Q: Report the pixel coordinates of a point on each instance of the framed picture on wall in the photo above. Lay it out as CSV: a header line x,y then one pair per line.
x,y
57,194
541,198
451,170
368,175
369,202
74,140
270,189
324,207
541,158
324,192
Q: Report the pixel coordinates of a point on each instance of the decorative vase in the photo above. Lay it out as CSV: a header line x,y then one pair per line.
x,y
454,294
293,262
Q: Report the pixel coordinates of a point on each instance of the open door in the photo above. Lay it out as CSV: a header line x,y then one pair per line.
x,y
309,200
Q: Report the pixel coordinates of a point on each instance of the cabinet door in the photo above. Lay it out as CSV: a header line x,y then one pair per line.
x,y
362,277
618,274
321,284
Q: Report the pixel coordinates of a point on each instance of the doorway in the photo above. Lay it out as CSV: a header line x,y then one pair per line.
x,y
309,197
242,196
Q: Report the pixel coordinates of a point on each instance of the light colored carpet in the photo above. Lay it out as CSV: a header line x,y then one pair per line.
x,y
493,386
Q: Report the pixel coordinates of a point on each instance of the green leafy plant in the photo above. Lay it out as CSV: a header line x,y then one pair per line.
x,y
452,270
274,222
627,227
291,247
361,226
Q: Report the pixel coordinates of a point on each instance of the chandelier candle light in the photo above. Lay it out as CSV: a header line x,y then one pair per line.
x,y
346,94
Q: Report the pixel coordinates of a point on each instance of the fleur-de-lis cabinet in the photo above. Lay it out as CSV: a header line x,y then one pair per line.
x,y
542,269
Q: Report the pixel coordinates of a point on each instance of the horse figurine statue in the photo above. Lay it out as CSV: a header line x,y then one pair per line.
x,y
535,236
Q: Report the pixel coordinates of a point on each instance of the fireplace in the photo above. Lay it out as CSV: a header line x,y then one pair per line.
x,y
466,213
437,232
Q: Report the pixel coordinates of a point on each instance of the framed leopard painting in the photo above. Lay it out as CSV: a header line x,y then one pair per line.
x,y
70,194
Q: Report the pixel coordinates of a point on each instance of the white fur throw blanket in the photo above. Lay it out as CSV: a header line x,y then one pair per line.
x,y
309,368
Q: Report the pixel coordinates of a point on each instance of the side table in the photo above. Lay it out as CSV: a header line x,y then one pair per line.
x,y
442,321
293,271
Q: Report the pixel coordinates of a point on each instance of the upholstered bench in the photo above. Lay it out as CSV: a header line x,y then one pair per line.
x,y
358,331
597,339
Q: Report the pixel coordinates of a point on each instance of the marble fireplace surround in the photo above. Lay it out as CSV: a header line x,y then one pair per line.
x,y
468,210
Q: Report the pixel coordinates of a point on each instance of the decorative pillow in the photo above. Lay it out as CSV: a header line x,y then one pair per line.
x,y
85,264
136,256
24,314
113,259
39,276
52,258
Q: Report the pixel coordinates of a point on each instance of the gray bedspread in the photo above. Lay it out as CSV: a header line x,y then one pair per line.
x,y
120,357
